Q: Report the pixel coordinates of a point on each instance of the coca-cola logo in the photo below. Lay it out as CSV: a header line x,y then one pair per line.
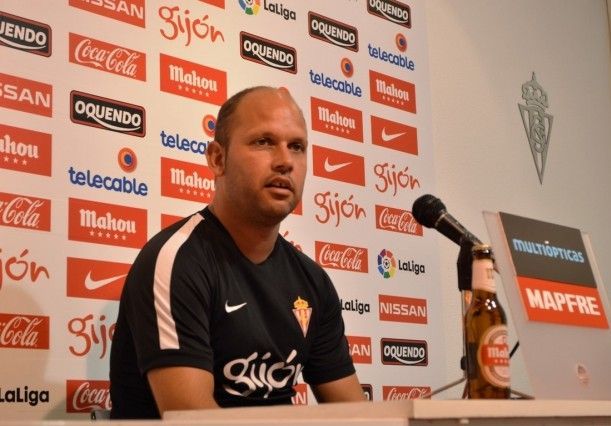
x,y
24,331
391,393
397,220
82,396
20,211
107,57
338,256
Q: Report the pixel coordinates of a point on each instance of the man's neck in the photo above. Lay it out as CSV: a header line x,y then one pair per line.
x,y
256,242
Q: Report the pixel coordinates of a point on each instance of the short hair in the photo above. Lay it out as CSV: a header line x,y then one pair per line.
x,y
225,115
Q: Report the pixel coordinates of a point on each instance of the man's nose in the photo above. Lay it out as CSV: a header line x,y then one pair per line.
x,y
283,159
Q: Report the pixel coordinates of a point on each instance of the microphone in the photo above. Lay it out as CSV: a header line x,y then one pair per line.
x,y
430,211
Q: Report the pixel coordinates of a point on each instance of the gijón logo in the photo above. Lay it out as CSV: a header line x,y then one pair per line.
x,y
267,52
107,114
25,34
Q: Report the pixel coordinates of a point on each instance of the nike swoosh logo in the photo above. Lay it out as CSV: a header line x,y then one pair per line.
x,y
230,309
330,168
91,284
388,137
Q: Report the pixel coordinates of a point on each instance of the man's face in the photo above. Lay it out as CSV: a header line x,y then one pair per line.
x,y
266,161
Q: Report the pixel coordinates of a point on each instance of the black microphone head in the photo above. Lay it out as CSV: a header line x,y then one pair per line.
x,y
427,209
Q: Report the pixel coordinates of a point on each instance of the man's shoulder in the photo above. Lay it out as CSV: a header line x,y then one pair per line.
x,y
184,232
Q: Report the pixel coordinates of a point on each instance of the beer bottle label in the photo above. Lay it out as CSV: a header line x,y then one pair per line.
x,y
493,356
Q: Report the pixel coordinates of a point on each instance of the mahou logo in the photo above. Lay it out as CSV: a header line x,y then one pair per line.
x,y
26,95
339,256
392,92
95,279
391,393
392,11
83,396
397,220
403,309
25,34
107,114
19,331
102,223
191,80
108,57
360,349
393,135
128,11
267,52
21,211
337,120
186,181
25,150
338,165
332,31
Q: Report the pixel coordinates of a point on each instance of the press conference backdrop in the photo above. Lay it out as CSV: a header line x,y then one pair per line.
x,y
107,108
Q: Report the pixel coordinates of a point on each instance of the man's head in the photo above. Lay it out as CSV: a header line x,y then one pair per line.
x,y
259,155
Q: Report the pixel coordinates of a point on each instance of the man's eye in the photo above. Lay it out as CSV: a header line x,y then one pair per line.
x,y
263,141
298,147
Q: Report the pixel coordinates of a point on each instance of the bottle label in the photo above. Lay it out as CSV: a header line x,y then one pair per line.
x,y
493,356
483,275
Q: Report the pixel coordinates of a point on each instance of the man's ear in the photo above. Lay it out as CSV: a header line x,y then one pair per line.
x,y
216,155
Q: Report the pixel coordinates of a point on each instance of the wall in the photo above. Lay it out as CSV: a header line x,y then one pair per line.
x,y
481,52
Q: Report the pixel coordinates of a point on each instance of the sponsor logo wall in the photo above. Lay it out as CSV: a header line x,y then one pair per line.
x,y
107,109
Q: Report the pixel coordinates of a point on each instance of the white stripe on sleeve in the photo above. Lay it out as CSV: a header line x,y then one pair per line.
x,y
168,338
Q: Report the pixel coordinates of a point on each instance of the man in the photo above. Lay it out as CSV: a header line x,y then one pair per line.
x,y
219,309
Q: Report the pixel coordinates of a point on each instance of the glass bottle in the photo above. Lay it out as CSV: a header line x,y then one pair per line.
x,y
488,375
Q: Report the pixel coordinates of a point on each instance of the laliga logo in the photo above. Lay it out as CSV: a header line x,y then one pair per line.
x,y
250,7
387,264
